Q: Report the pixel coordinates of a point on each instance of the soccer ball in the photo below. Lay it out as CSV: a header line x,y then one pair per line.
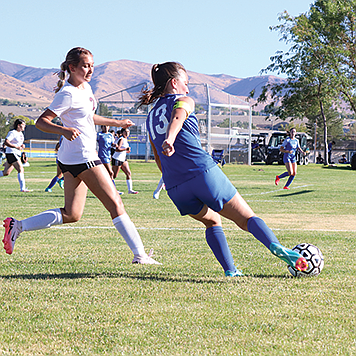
x,y
314,258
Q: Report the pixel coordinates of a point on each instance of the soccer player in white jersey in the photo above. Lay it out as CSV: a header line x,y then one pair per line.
x,y
194,182
75,104
119,158
14,144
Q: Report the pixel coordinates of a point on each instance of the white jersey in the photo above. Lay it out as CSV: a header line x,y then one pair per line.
x,y
121,156
76,108
15,138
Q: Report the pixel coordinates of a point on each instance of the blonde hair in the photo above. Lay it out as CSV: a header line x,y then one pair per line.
x,y
73,57
161,74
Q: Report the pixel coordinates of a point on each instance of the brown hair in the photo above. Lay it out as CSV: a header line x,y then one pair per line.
x,y
161,74
73,57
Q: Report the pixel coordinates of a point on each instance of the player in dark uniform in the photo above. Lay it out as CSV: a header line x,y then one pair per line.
x,y
196,185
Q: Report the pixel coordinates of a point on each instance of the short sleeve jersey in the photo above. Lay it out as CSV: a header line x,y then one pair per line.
x,y
105,141
15,138
76,108
121,156
290,145
189,158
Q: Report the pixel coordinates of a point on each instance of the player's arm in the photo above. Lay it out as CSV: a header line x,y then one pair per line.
x,y
9,144
155,154
100,120
181,110
45,124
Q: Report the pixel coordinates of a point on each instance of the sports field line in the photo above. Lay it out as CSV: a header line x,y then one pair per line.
x,y
189,228
278,190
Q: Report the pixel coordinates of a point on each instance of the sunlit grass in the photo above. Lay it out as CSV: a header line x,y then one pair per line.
x,y
72,290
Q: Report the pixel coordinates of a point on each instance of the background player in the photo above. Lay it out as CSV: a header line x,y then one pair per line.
x,y
14,144
289,147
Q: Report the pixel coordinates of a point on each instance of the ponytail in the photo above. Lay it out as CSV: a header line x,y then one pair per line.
x,y
161,74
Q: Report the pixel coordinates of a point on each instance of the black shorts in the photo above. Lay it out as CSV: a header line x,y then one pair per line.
x,y
115,162
76,169
12,158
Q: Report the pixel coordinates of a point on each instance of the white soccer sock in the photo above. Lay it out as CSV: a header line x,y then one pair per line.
x,y
129,184
159,186
43,220
21,179
128,231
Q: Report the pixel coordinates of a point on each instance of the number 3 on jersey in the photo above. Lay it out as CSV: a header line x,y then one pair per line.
x,y
161,128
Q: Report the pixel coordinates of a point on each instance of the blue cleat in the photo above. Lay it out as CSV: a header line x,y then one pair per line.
x,y
236,273
293,258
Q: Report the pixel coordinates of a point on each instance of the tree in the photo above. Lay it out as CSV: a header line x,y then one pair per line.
x,y
320,65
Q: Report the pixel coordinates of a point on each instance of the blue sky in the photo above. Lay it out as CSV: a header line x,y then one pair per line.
x,y
227,36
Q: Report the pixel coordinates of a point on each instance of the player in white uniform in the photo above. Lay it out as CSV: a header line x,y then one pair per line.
x,y
119,159
74,103
14,144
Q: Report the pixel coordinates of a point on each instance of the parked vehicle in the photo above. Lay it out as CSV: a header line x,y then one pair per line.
x,y
275,142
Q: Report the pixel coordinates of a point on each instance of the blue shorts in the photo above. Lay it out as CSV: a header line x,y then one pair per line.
x,y
287,157
211,188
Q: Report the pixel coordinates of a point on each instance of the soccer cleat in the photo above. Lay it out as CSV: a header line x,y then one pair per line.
x,y
49,190
156,195
146,259
133,192
293,258
120,193
236,273
286,188
12,232
61,183
276,180
25,190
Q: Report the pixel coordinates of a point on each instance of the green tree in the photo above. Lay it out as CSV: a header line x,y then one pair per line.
x,y
320,65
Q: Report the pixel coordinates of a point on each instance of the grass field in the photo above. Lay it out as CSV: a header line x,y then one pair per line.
x,y
72,290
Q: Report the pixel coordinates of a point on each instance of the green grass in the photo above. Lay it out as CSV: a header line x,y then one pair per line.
x,y
72,290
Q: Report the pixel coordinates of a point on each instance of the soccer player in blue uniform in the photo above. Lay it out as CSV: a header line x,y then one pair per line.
x,y
289,147
194,182
105,141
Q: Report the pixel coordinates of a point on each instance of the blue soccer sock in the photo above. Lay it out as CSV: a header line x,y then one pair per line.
x,y
285,174
114,183
258,228
289,181
216,240
53,182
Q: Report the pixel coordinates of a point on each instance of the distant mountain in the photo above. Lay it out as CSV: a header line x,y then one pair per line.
x,y
23,83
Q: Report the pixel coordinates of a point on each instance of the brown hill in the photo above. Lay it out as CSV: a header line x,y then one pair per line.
x,y
114,76
17,90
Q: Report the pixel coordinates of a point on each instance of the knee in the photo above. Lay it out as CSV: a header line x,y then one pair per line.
x,y
5,173
71,218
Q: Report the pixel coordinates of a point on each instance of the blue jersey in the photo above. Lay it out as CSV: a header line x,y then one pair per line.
x,y
105,141
189,158
290,145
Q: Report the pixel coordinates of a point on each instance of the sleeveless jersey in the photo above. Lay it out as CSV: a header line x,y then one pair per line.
x,y
189,158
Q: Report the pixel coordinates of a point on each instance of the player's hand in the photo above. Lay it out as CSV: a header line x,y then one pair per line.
x,y
71,133
168,148
126,123
128,149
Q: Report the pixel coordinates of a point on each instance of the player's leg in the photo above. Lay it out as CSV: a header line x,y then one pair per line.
x,y
7,169
291,167
99,182
126,169
20,175
216,240
238,211
160,186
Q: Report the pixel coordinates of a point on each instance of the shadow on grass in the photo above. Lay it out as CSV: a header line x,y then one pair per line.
x,y
343,168
305,191
139,276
